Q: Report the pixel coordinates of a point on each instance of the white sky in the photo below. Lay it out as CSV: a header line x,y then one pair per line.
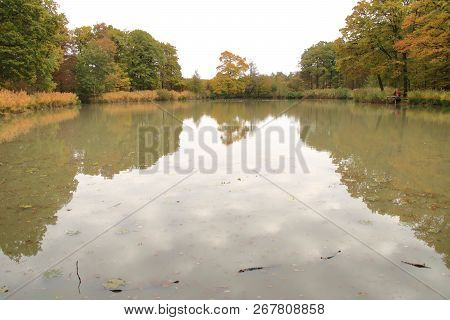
x,y
272,33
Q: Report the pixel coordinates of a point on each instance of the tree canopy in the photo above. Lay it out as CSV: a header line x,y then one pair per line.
x,y
230,78
31,43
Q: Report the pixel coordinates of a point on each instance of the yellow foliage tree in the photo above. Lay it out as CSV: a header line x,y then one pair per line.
x,y
230,79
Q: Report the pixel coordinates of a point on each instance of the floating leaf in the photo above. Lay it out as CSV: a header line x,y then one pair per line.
x,y
25,206
72,232
114,284
123,231
4,289
53,273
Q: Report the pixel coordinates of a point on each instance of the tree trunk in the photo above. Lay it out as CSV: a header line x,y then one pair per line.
x,y
405,75
380,82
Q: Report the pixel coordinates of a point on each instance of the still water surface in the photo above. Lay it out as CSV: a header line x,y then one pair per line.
x,y
371,182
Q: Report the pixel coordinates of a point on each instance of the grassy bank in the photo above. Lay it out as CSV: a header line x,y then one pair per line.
x,y
145,96
19,102
375,95
429,97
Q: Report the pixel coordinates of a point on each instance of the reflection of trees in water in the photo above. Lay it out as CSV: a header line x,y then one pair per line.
x,y
36,170
108,141
378,153
233,132
107,136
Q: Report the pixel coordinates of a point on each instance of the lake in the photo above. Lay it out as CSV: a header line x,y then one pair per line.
x,y
308,199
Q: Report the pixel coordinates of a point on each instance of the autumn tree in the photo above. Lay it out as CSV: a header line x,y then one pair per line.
x,y
98,68
230,78
427,36
371,32
31,43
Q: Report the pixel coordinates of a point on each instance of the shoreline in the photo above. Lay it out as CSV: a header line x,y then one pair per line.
x,y
23,104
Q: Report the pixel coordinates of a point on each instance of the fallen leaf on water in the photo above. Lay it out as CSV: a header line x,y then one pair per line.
x,y
72,232
25,206
114,284
122,231
53,273
4,289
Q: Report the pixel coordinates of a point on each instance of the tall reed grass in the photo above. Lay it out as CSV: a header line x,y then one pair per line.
x,y
145,96
19,102
372,95
429,97
338,93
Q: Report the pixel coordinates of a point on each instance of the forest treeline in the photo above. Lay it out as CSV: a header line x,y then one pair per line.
x,y
385,43
39,53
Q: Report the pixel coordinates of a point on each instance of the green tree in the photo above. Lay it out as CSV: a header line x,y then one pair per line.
x,y
93,69
31,43
143,57
252,81
98,69
195,83
170,68
318,65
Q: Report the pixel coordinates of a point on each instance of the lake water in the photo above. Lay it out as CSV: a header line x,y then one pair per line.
x,y
329,198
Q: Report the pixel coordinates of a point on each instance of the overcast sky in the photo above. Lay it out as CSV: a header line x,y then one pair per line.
x,y
272,33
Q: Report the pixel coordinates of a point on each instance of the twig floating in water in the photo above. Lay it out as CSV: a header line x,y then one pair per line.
x,y
250,269
79,278
417,265
329,257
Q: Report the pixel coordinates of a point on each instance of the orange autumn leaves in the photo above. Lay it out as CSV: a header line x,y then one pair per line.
x,y
230,80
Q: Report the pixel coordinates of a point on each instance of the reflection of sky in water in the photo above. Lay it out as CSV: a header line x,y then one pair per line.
x,y
208,227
